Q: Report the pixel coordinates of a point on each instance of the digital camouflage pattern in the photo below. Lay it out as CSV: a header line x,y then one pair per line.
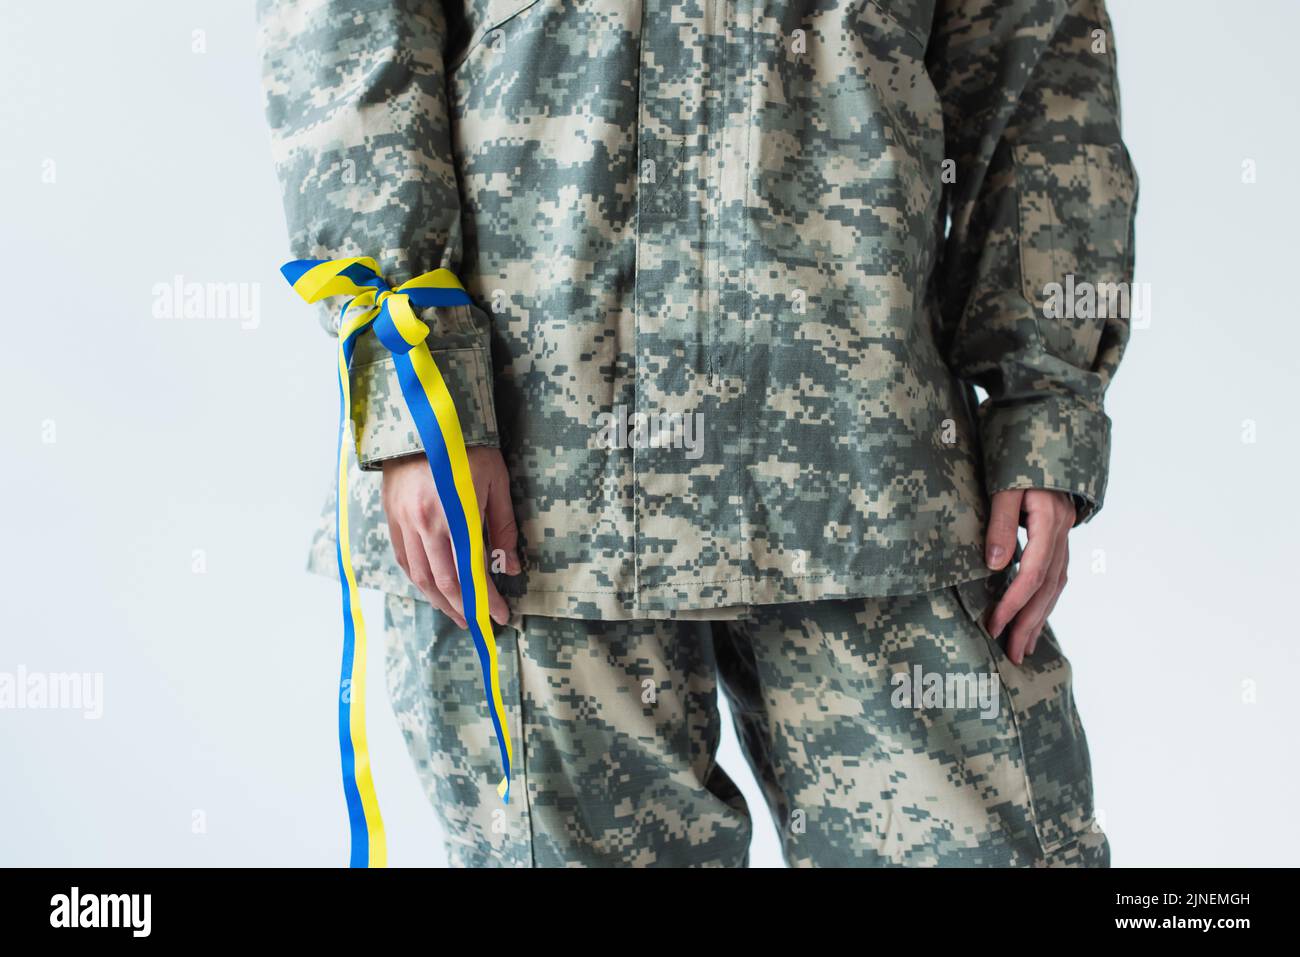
x,y
616,730
737,210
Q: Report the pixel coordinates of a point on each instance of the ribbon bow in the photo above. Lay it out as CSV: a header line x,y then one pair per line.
x,y
392,314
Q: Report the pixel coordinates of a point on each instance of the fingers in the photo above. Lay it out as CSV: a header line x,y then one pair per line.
x,y
399,546
1049,516
441,584
1004,524
1060,587
437,546
497,606
421,539
1028,624
422,576
442,562
1034,565
503,533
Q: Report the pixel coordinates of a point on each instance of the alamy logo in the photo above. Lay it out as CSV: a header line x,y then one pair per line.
x,y
179,299
52,691
921,690
651,430
1103,300
102,910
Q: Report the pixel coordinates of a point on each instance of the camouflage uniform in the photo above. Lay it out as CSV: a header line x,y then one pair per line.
x,y
616,733
818,224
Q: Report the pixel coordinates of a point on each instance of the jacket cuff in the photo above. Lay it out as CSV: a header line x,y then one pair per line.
x,y
384,427
1059,443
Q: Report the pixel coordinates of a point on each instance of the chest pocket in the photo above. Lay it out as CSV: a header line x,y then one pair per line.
x,y
914,16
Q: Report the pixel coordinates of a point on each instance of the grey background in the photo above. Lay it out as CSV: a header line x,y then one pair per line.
x,y
180,435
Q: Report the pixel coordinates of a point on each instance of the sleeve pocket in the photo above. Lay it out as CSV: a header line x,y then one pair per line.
x,y
1076,206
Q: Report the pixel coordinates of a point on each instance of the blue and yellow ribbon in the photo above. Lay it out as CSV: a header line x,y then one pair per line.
x,y
391,313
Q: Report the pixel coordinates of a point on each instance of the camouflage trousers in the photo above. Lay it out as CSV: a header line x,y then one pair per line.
x,y
615,729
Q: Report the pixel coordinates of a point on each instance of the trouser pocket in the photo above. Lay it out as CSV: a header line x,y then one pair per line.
x,y
1053,748
435,685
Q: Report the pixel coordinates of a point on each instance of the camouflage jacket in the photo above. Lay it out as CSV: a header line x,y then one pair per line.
x,y
738,270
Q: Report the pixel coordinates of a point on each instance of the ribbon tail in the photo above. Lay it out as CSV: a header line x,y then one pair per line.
x,y
434,413
369,848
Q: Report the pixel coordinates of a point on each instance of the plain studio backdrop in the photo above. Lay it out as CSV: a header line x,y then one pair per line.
x,y
165,473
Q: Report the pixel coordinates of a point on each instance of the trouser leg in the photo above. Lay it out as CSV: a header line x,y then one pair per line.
x,y
859,774
615,733
435,687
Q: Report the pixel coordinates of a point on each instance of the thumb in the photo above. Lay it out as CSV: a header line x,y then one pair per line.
x,y
1004,523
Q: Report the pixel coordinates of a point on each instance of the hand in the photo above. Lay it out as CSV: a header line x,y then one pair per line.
x,y
1048,518
422,541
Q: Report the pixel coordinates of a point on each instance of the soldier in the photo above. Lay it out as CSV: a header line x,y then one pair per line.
x,y
812,230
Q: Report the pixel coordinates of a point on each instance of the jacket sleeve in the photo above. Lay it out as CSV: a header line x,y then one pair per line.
x,y
1036,272
357,104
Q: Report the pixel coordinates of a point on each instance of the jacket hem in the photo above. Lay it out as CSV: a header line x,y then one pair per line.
x,y
726,602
